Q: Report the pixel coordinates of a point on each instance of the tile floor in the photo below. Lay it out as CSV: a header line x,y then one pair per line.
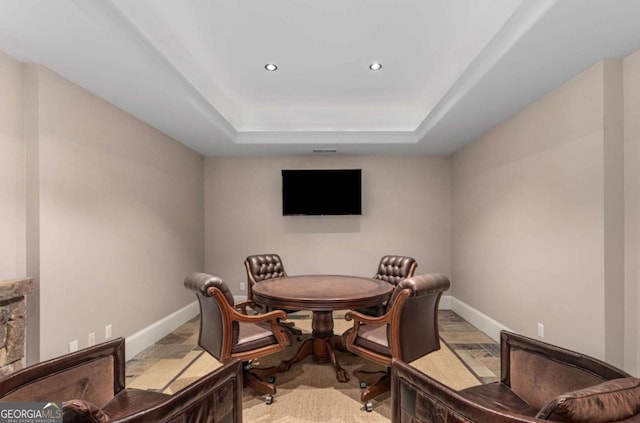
x,y
480,353
476,350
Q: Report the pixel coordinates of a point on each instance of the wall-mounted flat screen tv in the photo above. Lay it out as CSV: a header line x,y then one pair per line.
x,y
321,192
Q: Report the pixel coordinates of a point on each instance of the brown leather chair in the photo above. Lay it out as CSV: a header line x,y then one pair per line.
x,y
539,382
267,266
90,383
227,332
392,269
407,331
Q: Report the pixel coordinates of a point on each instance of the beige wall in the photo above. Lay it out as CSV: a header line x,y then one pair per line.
x,y
632,209
613,157
526,220
405,203
121,218
529,217
112,210
12,171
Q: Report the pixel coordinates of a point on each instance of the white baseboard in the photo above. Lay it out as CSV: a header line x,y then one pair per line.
x,y
445,303
478,319
156,331
163,327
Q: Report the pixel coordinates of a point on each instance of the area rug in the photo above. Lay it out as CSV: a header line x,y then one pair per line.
x,y
309,392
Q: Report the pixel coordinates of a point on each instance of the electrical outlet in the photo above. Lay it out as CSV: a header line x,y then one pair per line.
x,y
540,330
91,339
108,332
243,286
73,345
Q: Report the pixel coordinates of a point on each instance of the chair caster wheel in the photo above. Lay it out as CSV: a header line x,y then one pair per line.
x,y
369,407
269,399
363,384
271,379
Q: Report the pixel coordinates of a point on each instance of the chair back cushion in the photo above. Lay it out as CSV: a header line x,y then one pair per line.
x,y
211,312
537,379
393,269
265,266
418,319
93,374
72,383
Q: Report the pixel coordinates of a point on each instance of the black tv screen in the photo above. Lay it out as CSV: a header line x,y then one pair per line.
x,y
321,192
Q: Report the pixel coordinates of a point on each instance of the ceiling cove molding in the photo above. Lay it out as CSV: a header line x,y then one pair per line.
x,y
328,137
522,20
199,99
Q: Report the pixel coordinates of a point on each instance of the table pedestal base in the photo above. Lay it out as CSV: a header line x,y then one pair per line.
x,y
322,346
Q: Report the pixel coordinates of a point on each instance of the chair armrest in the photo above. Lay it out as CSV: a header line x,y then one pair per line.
x,y
414,394
359,319
243,306
272,317
214,397
386,318
235,316
366,319
94,374
245,318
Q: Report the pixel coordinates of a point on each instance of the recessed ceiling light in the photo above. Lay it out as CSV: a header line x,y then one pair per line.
x,y
375,66
270,67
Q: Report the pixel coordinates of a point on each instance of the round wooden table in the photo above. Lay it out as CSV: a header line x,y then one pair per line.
x,y
321,294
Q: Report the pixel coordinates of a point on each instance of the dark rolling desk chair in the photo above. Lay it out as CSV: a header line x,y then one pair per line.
x,y
226,333
392,269
261,267
407,331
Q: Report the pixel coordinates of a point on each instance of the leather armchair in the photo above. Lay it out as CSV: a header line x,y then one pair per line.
x,y
267,266
91,385
407,331
539,382
392,269
227,332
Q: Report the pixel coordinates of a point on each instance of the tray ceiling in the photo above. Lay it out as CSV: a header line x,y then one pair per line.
x,y
195,69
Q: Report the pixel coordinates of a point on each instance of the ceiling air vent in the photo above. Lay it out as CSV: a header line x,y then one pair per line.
x,y
325,150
